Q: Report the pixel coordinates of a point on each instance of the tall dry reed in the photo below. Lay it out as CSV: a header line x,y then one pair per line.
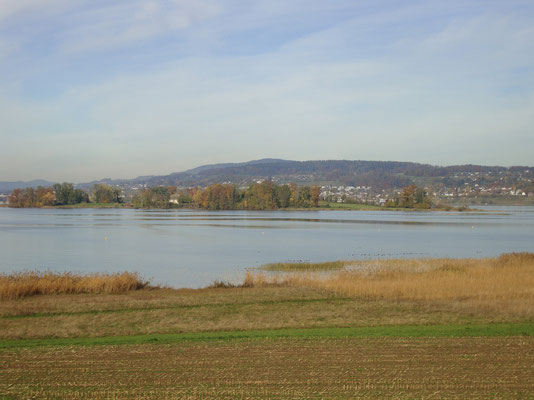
x,y
30,283
508,279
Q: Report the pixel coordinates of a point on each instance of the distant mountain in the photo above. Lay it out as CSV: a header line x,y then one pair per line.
x,y
8,187
379,174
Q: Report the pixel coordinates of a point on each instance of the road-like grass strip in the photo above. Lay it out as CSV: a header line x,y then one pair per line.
x,y
480,330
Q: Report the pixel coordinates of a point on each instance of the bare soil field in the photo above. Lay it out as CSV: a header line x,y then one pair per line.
x,y
475,368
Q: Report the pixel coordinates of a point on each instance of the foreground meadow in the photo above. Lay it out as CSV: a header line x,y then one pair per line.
x,y
435,328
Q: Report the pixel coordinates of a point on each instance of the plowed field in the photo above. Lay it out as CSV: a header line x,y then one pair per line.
x,y
475,368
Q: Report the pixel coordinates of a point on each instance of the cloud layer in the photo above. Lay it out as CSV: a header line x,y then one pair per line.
x,y
151,87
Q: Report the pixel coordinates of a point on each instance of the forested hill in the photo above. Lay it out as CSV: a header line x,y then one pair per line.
x,y
378,174
8,187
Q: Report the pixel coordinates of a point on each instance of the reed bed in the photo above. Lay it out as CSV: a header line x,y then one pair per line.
x,y
31,283
506,281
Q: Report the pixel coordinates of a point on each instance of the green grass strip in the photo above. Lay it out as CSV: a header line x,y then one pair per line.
x,y
519,329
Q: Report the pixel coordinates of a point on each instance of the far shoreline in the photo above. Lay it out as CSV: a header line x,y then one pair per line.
x,y
329,207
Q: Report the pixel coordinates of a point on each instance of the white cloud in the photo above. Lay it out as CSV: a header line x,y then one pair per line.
x,y
13,8
126,23
366,87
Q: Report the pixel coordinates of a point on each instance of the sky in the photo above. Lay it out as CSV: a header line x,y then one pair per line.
x,y
91,89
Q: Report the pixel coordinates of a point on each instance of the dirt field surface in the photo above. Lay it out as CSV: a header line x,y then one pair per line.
x,y
474,368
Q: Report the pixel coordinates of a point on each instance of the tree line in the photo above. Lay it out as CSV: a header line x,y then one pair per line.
x,y
259,196
62,194
265,195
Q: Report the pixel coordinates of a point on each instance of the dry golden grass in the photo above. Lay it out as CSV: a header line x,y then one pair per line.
x,y
369,293
187,310
505,283
30,283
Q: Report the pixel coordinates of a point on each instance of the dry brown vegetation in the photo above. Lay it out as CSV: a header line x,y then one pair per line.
x,y
170,311
504,284
366,293
462,368
30,283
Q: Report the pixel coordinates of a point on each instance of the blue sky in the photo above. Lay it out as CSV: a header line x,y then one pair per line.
x,y
94,89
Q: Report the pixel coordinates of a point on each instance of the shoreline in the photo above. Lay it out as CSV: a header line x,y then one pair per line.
x,y
349,207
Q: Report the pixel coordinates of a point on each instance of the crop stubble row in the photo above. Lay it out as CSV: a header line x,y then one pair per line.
x,y
283,368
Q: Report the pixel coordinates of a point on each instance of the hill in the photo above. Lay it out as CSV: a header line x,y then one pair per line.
x,y
8,187
378,174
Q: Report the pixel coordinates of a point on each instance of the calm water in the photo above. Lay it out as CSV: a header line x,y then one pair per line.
x,y
191,248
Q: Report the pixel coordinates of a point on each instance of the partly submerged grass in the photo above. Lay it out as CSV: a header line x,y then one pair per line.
x,y
305,266
30,283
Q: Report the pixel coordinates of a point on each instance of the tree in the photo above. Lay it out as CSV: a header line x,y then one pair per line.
x,y
407,199
157,197
260,196
66,194
412,197
45,197
103,193
31,197
282,195
79,196
294,193
117,195
304,197
315,193
16,198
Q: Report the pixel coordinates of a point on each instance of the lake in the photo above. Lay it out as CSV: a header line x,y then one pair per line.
x,y
192,248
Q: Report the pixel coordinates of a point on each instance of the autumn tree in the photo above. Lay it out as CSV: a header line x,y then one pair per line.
x,y
157,197
412,197
260,196
31,197
45,197
16,198
102,193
